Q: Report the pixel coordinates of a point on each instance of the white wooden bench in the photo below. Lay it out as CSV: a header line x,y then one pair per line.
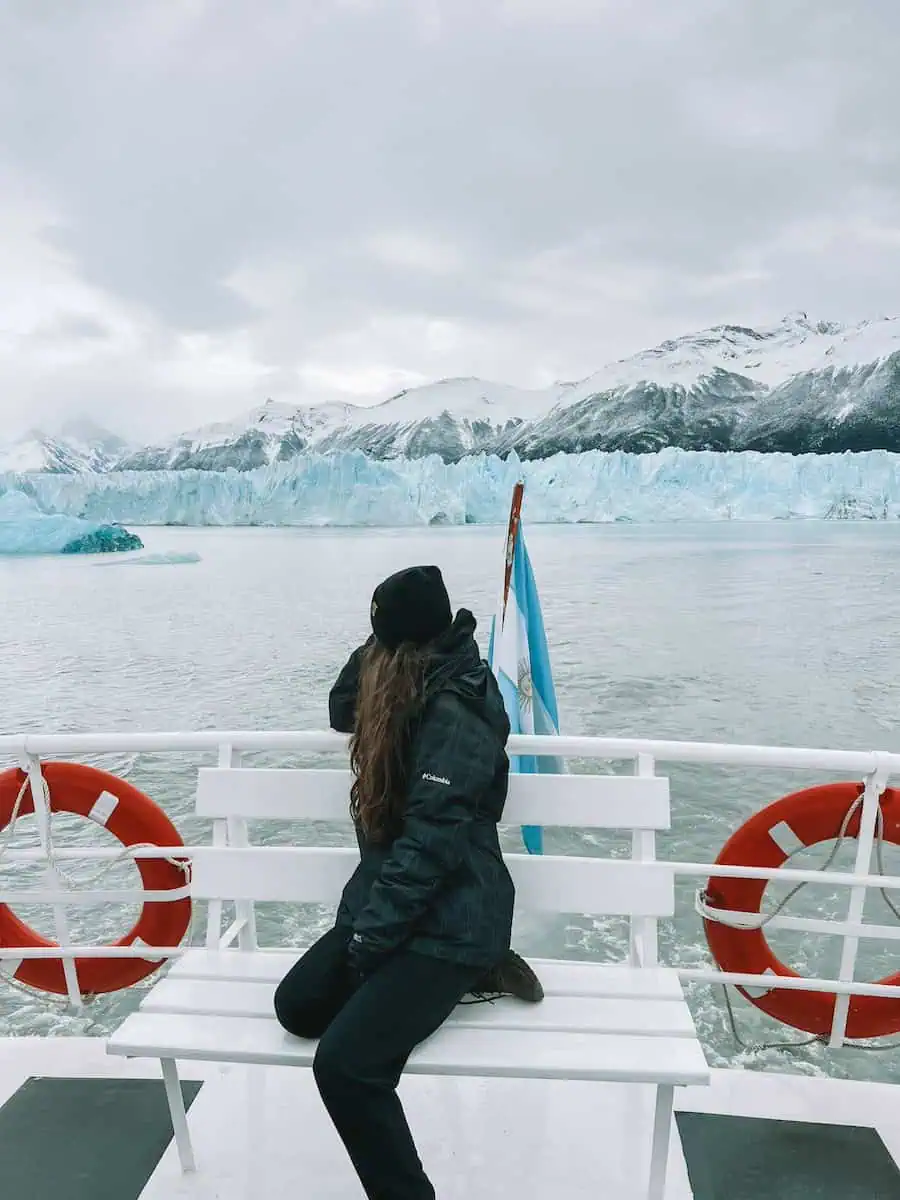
x,y
625,1022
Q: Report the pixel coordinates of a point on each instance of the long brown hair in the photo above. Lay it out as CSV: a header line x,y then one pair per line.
x,y
391,686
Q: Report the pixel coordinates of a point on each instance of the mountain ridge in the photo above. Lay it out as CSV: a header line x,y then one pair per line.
x,y
801,386
78,446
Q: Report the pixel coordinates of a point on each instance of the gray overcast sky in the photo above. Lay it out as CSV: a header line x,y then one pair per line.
x,y
207,202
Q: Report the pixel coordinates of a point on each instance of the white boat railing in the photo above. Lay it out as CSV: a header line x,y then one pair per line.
x,y
874,767
852,762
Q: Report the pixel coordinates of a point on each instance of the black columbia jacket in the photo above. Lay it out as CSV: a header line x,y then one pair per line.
x,y
440,886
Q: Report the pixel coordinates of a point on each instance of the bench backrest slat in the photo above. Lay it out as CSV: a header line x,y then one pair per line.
x,y
578,801
315,874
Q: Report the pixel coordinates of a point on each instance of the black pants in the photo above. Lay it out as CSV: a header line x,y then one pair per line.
x,y
367,1033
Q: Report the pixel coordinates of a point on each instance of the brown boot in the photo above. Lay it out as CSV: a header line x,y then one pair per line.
x,y
512,976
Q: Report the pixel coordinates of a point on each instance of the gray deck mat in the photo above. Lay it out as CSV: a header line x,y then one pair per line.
x,y
84,1139
749,1158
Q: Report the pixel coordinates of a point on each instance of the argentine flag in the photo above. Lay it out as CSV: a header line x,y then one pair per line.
x,y
518,656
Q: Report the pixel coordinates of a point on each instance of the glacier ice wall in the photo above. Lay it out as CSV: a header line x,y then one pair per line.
x,y
350,489
27,528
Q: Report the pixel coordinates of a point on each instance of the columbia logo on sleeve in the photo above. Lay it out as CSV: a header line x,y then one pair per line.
x,y
436,779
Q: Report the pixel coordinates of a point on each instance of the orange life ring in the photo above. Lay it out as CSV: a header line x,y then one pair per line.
x,y
810,816
133,818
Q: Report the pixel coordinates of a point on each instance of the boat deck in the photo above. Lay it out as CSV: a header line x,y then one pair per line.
x,y
76,1124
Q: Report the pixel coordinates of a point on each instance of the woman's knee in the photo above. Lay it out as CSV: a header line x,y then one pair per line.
x,y
298,1014
312,992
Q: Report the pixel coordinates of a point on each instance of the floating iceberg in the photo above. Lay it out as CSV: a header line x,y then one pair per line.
x,y
27,529
351,489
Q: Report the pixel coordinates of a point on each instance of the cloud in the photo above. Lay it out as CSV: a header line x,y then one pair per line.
x,y
68,327
207,203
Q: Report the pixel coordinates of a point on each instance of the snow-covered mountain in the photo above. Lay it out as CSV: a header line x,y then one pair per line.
x,y
78,446
451,418
796,386
799,386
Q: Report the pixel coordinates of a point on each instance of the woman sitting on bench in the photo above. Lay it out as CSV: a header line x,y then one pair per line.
x,y
426,918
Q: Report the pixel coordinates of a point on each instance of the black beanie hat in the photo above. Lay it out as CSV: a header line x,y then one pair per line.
x,y
411,606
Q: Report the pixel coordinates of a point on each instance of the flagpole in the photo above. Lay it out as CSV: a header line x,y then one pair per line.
x,y
512,664
515,516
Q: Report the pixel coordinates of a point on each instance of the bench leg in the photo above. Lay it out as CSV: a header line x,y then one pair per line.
x,y
659,1151
178,1114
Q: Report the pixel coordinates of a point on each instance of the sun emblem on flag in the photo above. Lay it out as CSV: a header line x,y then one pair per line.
x,y
525,686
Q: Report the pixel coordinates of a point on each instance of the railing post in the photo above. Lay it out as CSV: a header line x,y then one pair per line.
x,y
644,931
52,878
874,786
214,907
219,838
244,910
